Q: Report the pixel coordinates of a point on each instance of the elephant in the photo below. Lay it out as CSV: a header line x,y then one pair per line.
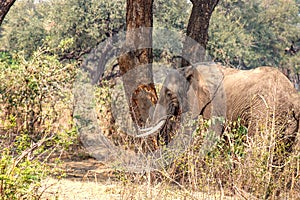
x,y
263,99
258,97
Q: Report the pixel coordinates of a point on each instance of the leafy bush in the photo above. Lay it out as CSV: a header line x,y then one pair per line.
x,y
35,119
20,176
35,94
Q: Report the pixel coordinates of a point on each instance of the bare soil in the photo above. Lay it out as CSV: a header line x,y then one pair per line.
x,y
89,179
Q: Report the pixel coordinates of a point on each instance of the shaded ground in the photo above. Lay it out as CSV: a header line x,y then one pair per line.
x,y
87,170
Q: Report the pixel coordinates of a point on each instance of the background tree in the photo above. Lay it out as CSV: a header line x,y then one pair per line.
x,y
247,34
86,23
197,28
242,33
82,25
23,29
139,89
171,14
4,8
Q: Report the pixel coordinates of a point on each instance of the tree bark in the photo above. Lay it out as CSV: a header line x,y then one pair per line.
x,y
198,31
135,62
5,5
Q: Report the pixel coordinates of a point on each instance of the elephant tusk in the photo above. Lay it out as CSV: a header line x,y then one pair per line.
x,y
151,130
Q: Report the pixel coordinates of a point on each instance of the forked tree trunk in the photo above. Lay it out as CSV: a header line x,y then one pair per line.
x,y
135,65
4,8
198,30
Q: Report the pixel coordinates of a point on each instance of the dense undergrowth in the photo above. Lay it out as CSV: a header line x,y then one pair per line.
x,y
35,120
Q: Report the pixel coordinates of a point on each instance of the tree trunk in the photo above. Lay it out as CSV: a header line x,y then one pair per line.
x,y
4,8
135,62
198,31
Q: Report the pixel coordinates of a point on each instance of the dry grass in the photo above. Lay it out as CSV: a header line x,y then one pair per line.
x,y
238,168
75,189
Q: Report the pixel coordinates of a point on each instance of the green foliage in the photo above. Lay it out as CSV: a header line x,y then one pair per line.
x,y
253,33
243,34
233,142
35,119
229,42
30,24
172,14
86,22
31,91
23,28
291,62
20,176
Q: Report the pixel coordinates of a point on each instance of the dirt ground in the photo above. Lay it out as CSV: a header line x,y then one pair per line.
x,y
86,179
89,179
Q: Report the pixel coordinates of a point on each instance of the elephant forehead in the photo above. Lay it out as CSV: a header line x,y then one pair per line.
x,y
175,82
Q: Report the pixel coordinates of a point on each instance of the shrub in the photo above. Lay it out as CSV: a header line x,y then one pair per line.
x,y
35,119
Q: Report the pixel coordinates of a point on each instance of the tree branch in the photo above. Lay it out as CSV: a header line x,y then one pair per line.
x,y
5,5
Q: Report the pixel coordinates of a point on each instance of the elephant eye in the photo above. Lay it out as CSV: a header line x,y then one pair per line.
x,y
169,94
189,78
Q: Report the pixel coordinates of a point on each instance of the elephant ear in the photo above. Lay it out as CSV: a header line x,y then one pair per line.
x,y
198,94
189,73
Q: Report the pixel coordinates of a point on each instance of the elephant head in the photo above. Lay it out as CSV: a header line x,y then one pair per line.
x,y
184,91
